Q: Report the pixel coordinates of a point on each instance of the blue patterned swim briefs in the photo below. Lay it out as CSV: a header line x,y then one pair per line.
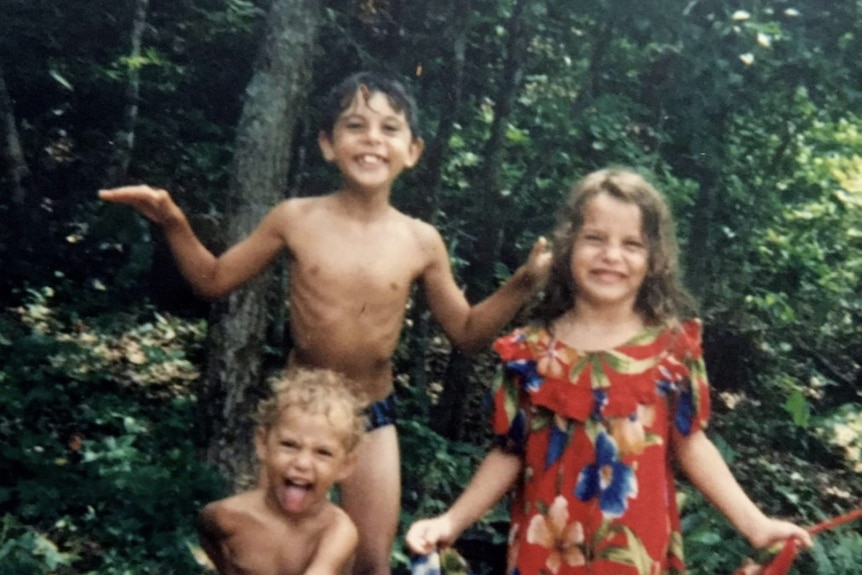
x,y
381,413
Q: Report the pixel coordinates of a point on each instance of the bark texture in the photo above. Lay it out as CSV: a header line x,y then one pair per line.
x,y
233,380
438,153
449,415
15,170
124,139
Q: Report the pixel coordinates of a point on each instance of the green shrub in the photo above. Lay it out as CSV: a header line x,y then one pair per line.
x,y
101,470
25,551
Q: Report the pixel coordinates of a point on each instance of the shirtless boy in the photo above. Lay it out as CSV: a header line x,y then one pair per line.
x,y
352,260
306,441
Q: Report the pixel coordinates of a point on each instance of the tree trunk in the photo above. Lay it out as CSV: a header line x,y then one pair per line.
x,y
490,236
15,170
232,384
450,412
438,151
124,139
14,179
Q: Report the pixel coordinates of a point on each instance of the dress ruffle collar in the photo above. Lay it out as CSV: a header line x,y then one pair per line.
x,y
609,383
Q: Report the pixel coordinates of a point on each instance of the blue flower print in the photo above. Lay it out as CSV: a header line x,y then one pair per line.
x,y
514,440
518,430
608,478
557,441
600,400
526,368
665,385
685,411
684,408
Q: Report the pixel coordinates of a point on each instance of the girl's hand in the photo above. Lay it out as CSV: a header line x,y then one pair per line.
x,y
155,204
749,568
774,531
425,535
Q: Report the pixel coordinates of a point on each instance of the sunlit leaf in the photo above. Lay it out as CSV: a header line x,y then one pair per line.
x,y
60,79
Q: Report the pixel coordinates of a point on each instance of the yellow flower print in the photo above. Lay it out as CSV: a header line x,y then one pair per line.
x,y
552,360
629,433
553,531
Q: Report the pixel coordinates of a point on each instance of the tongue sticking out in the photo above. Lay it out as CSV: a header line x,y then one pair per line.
x,y
293,497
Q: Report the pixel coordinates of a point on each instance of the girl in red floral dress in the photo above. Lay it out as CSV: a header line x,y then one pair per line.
x,y
597,402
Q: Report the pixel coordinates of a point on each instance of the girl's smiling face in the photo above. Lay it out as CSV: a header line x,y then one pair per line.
x,y
610,255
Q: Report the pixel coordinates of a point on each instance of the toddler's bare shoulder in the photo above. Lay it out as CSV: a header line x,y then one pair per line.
x,y
223,516
342,525
238,502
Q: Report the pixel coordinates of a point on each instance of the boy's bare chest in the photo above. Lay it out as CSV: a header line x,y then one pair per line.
x,y
369,260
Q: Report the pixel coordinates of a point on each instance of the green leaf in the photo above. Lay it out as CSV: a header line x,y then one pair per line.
x,y
60,79
797,406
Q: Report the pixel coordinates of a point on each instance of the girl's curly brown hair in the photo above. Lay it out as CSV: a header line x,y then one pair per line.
x,y
661,298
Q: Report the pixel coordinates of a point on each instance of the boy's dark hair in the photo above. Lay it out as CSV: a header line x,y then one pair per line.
x,y
369,83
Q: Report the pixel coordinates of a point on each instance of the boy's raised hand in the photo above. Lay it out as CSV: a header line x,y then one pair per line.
x,y
153,203
538,264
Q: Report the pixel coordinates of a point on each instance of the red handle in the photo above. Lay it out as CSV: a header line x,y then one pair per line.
x,y
835,521
781,563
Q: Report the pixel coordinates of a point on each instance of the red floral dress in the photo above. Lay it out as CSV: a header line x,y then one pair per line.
x,y
596,494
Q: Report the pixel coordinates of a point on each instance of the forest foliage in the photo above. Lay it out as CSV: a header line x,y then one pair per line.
x,y
747,115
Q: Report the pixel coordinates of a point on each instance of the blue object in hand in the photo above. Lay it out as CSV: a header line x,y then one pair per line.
x,y
425,564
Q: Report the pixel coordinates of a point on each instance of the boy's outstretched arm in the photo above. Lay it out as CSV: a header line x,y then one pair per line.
x,y
472,328
709,473
211,277
495,476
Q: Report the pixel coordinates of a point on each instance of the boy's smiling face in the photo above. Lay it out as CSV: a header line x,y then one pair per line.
x,y
371,143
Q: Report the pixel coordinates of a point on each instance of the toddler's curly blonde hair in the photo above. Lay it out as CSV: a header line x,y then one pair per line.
x,y
317,391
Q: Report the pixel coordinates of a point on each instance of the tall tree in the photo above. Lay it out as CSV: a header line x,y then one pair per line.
x,y
450,410
14,176
273,100
15,168
435,160
125,137
490,175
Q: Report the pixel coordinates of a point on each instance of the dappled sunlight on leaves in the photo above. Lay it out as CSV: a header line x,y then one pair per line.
x,y
843,430
98,433
150,354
